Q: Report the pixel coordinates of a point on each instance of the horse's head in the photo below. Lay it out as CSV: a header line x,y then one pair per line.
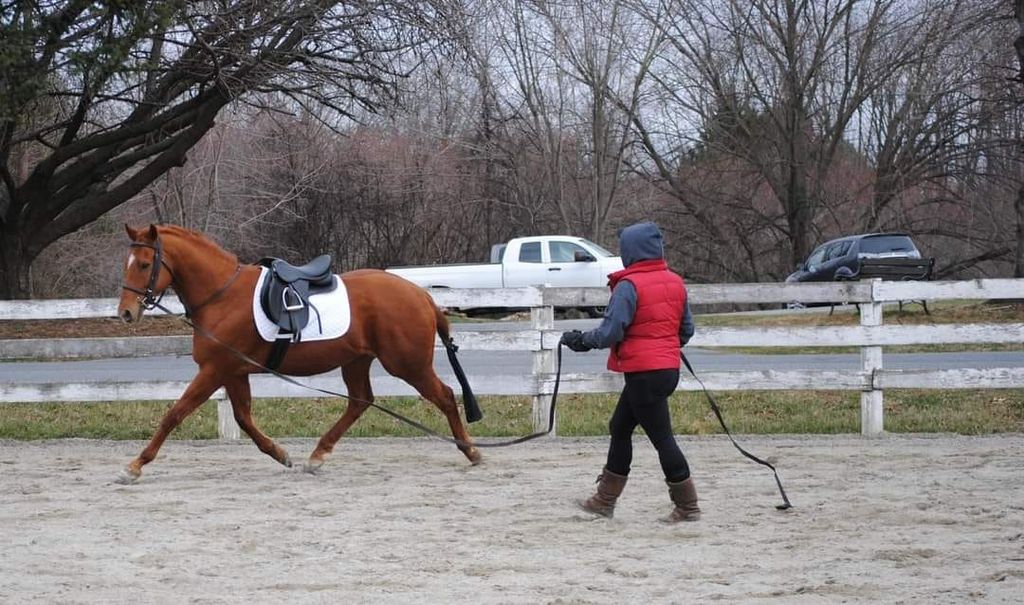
x,y
146,273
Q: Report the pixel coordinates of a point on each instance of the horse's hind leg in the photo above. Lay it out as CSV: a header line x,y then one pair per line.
x,y
441,395
198,391
241,404
357,380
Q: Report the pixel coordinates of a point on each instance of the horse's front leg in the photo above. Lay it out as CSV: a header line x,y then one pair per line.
x,y
241,404
198,391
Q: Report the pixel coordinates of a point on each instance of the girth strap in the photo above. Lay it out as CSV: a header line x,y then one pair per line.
x,y
277,352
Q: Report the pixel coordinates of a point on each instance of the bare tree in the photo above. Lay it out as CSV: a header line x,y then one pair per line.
x,y
751,129
99,99
930,133
775,86
605,51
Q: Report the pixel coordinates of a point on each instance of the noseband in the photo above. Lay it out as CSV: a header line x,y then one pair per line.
x,y
149,298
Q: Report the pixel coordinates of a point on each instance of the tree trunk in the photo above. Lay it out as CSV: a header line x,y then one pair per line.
x,y
1018,45
799,224
15,278
1018,265
799,211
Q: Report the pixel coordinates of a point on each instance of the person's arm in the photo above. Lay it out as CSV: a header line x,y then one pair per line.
x,y
686,326
617,317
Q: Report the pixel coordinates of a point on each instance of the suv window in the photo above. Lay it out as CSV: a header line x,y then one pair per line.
x,y
837,250
530,252
888,243
816,257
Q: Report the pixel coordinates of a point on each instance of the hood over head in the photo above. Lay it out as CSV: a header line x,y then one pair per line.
x,y
640,241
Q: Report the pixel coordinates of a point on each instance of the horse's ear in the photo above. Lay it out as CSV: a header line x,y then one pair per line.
x,y
132,233
152,232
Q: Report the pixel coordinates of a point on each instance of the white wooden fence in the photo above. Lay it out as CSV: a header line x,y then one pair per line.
x,y
542,339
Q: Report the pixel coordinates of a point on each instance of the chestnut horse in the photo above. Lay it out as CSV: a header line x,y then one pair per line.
x,y
392,320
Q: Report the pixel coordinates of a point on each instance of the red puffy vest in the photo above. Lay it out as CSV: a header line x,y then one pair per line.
x,y
651,341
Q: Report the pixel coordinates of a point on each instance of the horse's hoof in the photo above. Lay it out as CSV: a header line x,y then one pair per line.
x,y
475,457
313,466
127,477
287,461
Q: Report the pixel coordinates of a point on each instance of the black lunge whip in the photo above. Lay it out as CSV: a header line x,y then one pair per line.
x,y
718,413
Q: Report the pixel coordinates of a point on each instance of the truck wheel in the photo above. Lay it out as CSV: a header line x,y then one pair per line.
x,y
595,312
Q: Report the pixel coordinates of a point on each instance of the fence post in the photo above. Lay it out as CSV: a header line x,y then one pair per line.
x,y
227,428
542,318
871,400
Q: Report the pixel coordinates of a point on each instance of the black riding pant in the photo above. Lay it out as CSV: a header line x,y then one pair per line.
x,y
644,402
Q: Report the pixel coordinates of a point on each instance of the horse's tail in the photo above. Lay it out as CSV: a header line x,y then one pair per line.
x,y
469,402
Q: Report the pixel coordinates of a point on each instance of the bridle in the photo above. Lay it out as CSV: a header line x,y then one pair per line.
x,y
149,298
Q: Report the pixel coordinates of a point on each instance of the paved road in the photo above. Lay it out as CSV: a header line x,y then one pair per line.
x,y
511,362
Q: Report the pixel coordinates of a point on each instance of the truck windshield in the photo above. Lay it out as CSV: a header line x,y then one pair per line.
x,y
601,252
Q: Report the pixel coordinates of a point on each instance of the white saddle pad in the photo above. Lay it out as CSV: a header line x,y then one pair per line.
x,y
329,313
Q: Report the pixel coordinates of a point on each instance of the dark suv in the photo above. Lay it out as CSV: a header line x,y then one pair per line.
x,y
841,258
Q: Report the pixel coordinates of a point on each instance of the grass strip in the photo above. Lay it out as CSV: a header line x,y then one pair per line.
x,y
751,412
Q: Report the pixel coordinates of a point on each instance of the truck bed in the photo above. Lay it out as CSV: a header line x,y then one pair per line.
x,y
465,275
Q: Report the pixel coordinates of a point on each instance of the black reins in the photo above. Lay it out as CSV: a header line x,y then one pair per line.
x,y
150,300
425,429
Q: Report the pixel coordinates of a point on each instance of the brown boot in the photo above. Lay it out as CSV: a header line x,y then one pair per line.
x,y
609,488
684,496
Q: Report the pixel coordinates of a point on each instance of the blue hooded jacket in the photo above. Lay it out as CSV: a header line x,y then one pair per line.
x,y
641,241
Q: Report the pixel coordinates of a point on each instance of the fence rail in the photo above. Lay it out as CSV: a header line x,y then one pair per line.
x,y
541,339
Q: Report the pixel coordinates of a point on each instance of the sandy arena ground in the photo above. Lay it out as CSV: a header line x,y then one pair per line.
x,y
922,519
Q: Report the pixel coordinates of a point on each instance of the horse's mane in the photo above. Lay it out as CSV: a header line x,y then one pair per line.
x,y
196,238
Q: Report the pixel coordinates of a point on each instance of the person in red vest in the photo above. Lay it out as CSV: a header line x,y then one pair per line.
x,y
646,322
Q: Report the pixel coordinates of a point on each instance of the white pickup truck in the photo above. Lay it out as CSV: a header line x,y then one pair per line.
x,y
560,261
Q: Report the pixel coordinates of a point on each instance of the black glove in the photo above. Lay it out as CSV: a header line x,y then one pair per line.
x,y
574,340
